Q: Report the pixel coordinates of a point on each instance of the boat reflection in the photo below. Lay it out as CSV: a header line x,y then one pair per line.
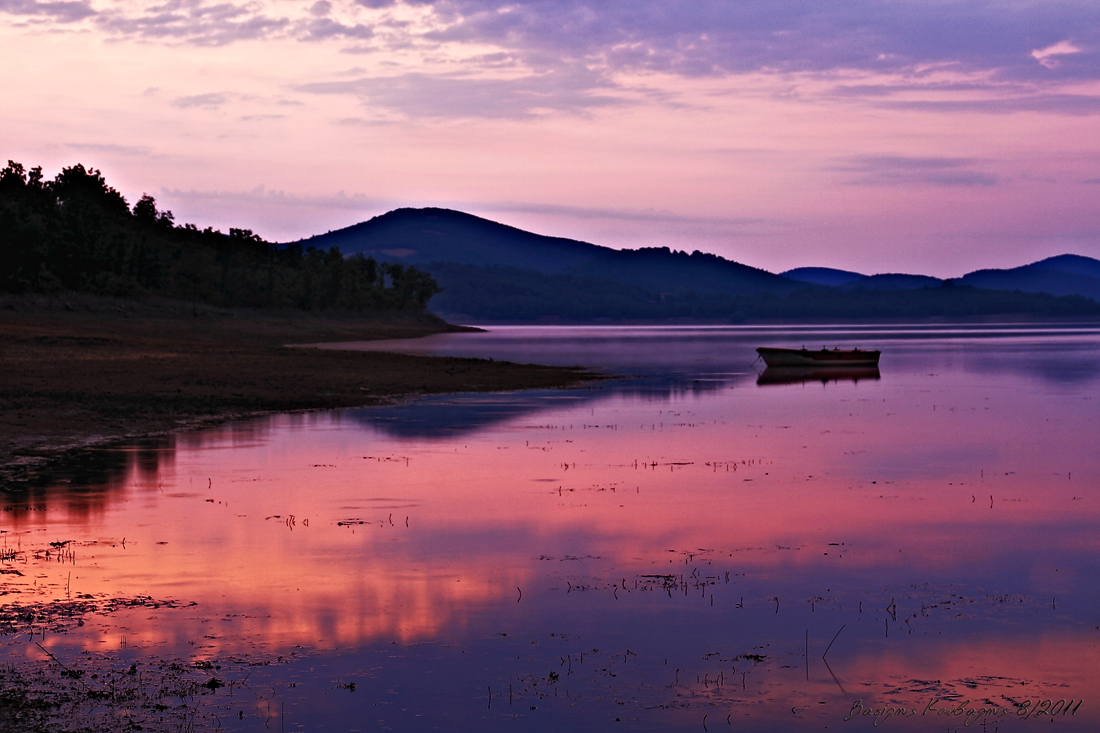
x,y
801,375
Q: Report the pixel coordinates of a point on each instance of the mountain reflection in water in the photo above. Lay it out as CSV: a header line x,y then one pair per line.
x,y
670,551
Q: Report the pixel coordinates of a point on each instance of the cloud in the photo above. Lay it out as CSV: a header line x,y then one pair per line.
x,y
1048,56
453,95
280,216
355,202
706,37
1064,104
202,23
629,227
883,90
211,100
64,12
322,28
576,50
130,150
632,215
892,170
275,215
979,44
194,22
686,37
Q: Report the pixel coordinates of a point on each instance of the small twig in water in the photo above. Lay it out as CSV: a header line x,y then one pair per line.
x,y
831,642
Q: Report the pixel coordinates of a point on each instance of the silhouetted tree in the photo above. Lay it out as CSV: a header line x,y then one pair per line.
x,y
76,232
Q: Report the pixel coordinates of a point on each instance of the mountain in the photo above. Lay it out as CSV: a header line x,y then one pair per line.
x,y
849,280
432,236
664,270
822,275
1061,275
1072,264
491,272
892,281
420,236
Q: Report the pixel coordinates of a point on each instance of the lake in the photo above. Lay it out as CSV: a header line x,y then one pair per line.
x,y
693,544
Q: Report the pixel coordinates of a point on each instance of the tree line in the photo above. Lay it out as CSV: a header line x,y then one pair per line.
x,y
491,293
77,233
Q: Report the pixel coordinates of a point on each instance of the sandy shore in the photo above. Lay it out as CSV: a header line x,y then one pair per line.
x,y
81,370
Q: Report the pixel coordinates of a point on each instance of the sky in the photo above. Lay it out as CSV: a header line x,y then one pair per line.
x,y
927,136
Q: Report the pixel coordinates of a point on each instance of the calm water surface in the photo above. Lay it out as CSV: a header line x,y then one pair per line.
x,y
676,550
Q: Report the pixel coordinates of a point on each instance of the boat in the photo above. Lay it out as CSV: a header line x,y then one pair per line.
x,y
804,357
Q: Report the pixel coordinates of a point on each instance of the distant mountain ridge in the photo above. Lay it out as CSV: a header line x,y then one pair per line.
x,y
822,275
892,281
846,279
1072,264
1060,275
493,271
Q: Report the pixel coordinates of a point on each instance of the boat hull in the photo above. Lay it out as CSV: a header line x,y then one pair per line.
x,y
774,357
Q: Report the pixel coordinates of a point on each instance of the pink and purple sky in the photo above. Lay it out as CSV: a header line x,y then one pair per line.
x,y
922,136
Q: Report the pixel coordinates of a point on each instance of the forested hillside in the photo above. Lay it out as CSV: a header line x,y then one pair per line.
x,y
77,233
501,294
1061,275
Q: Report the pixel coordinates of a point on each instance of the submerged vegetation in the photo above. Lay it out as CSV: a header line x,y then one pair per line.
x,y
77,233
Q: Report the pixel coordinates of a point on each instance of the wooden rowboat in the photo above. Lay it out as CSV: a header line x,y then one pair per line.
x,y
824,358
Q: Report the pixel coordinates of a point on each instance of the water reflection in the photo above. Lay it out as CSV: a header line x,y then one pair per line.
x,y
825,375
439,417
1059,353
667,552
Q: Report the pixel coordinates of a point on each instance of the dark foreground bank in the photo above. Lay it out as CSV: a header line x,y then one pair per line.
x,y
82,370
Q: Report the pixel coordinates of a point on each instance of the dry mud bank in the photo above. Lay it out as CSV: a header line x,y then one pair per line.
x,y
81,370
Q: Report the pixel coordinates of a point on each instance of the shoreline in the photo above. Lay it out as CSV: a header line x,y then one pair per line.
x,y
87,371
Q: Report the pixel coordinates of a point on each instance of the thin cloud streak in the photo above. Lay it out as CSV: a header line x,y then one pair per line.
x,y
1049,56
420,95
139,151
631,215
893,170
1041,103
211,101
275,215
288,217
